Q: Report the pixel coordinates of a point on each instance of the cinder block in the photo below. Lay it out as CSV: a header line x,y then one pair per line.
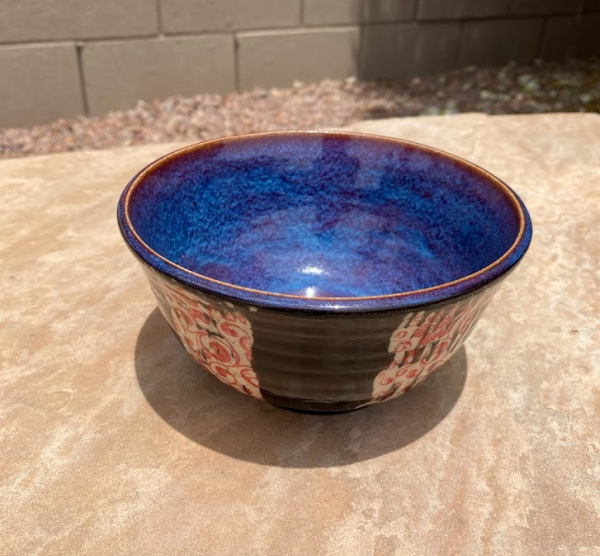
x,y
437,47
39,85
39,20
317,12
215,15
496,42
560,38
388,51
119,74
277,59
485,8
567,37
460,9
328,12
589,36
439,9
592,6
546,7
379,11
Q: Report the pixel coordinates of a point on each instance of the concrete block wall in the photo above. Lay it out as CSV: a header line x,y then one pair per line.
x,y
62,58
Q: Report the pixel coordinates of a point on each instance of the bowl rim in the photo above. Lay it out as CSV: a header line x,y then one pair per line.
x,y
275,300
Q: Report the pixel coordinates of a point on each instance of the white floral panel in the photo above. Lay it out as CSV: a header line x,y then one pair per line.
x,y
214,334
423,342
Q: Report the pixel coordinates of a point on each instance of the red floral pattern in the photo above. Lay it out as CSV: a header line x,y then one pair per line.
x,y
215,335
423,342
220,339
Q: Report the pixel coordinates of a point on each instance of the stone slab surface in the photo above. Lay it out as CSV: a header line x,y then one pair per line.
x,y
114,443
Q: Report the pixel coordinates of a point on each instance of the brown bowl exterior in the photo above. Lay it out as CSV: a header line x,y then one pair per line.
x,y
317,362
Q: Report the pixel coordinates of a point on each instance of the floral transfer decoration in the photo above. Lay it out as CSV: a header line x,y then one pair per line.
x,y
423,342
213,333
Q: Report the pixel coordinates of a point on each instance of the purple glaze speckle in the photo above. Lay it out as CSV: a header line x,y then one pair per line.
x,y
323,221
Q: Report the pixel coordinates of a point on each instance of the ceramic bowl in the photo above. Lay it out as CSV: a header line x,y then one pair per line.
x,y
321,271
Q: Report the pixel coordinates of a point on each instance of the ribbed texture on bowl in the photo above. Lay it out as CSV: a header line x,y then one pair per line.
x,y
316,362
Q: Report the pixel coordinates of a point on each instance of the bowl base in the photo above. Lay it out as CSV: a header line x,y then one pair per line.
x,y
313,407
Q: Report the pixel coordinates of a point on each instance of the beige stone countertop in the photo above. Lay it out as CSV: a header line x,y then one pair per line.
x,y
113,442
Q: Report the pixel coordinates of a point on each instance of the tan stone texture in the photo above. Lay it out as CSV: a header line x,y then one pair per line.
x,y
113,442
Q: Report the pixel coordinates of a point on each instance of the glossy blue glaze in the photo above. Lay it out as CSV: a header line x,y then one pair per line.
x,y
316,215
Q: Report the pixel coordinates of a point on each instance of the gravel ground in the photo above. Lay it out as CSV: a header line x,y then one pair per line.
x,y
572,86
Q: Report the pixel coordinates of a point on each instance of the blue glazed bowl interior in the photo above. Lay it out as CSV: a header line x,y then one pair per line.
x,y
322,215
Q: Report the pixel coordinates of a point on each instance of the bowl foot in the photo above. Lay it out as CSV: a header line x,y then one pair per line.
x,y
313,407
